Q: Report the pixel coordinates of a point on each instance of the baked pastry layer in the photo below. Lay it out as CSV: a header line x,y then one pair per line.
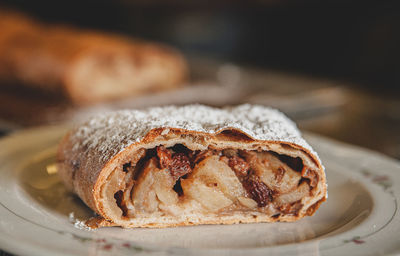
x,y
192,165
84,66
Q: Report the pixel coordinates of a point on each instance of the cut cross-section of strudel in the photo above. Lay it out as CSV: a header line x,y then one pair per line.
x,y
172,166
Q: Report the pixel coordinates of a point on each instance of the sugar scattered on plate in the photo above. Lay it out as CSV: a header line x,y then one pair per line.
x,y
79,224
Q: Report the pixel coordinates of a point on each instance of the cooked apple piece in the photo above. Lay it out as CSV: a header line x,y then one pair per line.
x,y
144,196
301,191
218,174
273,172
247,202
209,196
163,185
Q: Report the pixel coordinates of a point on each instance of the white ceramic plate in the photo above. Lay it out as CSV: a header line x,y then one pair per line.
x,y
360,217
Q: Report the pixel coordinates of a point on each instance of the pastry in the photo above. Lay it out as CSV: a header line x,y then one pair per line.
x,y
86,66
190,165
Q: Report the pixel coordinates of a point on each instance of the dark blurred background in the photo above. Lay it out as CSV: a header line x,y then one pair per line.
x,y
356,41
351,47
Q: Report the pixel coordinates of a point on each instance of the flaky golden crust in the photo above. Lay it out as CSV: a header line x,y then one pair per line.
x,y
89,179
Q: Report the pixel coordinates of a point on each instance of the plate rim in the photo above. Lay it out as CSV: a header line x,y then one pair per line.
x,y
60,128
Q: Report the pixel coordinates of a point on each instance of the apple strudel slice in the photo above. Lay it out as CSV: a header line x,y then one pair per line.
x,y
190,165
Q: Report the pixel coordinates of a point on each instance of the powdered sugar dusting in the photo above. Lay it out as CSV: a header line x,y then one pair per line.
x,y
109,133
78,223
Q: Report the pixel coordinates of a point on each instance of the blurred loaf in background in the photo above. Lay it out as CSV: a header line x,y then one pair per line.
x,y
78,66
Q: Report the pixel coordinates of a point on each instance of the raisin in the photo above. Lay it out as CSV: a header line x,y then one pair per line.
x,y
258,190
165,156
180,165
239,165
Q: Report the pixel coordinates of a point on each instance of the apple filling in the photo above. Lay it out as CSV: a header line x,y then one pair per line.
x,y
176,180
